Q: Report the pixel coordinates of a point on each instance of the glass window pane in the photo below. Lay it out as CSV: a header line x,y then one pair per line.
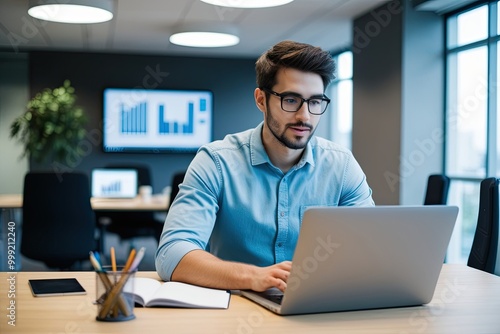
x,y
472,26
340,111
344,66
497,114
467,113
465,195
498,18
342,115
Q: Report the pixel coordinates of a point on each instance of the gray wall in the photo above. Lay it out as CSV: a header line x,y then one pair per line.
x,y
232,82
423,94
377,100
398,100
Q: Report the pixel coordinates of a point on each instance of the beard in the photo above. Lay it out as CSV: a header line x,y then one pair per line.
x,y
291,142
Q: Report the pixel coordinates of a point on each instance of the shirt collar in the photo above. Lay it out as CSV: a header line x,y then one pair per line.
x,y
259,155
257,151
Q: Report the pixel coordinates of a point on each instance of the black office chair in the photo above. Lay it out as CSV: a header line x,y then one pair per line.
x,y
58,222
176,181
437,190
483,253
131,224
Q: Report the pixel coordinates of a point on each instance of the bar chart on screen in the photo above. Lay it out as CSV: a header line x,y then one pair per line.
x,y
133,119
111,188
157,119
186,128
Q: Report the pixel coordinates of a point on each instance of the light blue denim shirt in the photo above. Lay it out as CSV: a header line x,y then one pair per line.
x,y
236,204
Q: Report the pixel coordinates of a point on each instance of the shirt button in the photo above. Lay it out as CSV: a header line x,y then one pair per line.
x,y
282,214
280,244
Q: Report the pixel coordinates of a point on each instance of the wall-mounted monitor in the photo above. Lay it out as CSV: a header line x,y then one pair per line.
x,y
155,121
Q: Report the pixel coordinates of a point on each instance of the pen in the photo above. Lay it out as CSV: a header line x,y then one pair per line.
x,y
94,261
98,258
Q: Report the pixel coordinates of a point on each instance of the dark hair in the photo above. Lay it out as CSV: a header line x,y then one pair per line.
x,y
300,56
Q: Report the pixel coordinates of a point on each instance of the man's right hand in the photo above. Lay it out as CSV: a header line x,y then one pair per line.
x,y
274,276
202,268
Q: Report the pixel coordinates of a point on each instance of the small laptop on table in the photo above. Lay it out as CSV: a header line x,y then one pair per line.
x,y
114,183
358,258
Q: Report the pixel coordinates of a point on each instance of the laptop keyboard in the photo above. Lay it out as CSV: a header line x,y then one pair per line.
x,y
273,296
276,298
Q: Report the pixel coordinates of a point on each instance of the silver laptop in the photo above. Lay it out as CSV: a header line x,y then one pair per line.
x,y
114,183
356,258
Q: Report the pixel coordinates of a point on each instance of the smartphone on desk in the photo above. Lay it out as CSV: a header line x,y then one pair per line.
x,y
56,287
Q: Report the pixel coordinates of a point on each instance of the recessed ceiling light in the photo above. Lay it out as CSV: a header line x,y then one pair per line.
x,y
72,11
247,3
205,36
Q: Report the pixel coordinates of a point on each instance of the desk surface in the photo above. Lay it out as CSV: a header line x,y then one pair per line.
x,y
157,203
11,201
465,301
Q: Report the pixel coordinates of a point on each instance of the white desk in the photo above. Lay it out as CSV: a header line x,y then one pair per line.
x,y
465,301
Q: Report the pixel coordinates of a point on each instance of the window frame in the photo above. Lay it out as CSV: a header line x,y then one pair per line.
x,y
492,43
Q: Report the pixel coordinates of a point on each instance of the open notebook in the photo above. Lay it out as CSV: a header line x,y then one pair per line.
x,y
352,258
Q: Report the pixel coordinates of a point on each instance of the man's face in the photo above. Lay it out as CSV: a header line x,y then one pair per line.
x,y
293,129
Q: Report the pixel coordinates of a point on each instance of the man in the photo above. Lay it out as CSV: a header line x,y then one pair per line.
x,y
236,219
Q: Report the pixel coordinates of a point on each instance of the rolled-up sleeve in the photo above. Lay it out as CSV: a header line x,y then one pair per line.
x,y
355,189
191,218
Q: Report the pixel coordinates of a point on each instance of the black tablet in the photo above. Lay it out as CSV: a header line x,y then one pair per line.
x,y
56,287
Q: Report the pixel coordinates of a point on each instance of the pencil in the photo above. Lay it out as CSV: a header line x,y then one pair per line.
x,y
137,259
129,260
113,259
117,288
122,303
113,295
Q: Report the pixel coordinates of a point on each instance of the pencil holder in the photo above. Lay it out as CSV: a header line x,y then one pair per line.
x,y
113,301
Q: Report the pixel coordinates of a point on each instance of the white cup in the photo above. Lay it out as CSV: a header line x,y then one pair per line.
x,y
145,192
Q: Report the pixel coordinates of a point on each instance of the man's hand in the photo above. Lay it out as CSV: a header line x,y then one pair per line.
x,y
202,268
274,276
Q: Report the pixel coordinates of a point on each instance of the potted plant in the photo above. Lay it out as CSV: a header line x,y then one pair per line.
x,y
52,125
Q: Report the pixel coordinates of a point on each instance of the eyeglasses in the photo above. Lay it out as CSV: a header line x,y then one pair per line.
x,y
291,102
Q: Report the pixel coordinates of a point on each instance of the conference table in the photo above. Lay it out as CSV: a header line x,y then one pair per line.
x,y
156,203
11,204
466,300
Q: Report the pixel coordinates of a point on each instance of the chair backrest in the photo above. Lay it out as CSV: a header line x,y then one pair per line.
x,y
485,244
176,180
437,189
58,222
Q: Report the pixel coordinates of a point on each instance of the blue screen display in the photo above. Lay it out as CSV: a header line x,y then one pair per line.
x,y
155,121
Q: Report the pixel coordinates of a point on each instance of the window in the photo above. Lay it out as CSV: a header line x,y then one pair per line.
x,y
340,92
471,113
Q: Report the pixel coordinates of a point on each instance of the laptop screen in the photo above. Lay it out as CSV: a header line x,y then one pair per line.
x,y
114,183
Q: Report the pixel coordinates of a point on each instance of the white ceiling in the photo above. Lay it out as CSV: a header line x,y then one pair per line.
x,y
143,26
